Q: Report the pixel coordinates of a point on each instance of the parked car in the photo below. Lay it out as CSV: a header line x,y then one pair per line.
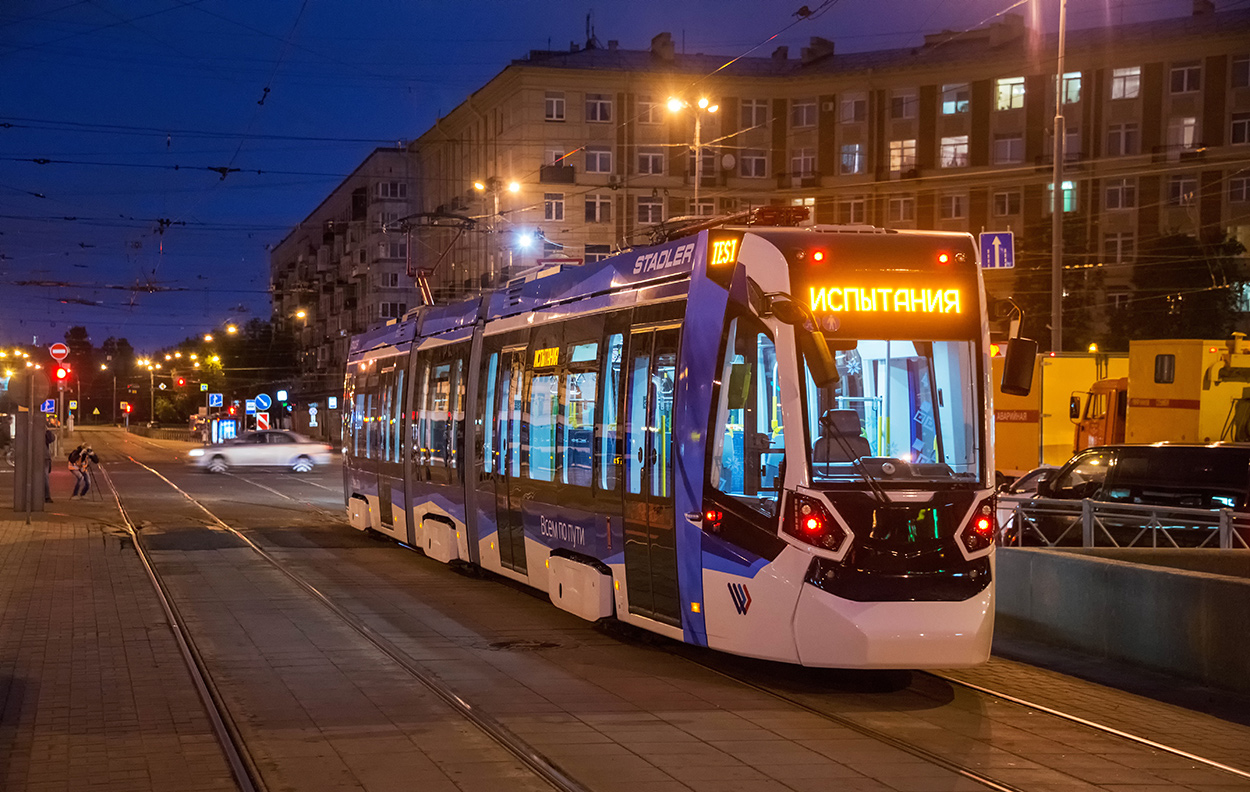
x,y
1163,475
273,449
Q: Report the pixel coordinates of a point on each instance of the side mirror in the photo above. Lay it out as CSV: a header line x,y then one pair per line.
x,y
1044,489
1074,407
1018,366
811,341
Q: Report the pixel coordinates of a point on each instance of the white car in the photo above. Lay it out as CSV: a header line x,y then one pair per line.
x,y
274,449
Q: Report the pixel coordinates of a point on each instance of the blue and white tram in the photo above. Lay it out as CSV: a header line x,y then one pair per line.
x,y
769,441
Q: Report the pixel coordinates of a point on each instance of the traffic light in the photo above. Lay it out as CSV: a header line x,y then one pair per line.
x,y
127,407
231,410
61,373
182,381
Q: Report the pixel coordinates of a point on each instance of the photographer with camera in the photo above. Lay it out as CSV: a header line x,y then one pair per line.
x,y
79,460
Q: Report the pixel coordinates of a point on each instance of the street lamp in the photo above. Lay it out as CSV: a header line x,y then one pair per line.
x,y
104,367
494,185
208,337
1056,209
676,105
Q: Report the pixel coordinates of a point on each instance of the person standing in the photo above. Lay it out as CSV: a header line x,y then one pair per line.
x,y
79,459
49,439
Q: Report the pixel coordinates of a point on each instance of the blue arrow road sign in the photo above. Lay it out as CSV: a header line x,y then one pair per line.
x,y
214,400
998,250
48,405
263,402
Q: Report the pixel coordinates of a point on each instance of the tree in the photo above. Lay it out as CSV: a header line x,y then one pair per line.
x,y
1081,283
1184,288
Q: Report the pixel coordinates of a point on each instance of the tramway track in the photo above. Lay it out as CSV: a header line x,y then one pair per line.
x,y
534,760
870,683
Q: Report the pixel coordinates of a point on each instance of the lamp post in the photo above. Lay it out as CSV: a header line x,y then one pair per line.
x,y
704,106
493,186
1056,191
104,367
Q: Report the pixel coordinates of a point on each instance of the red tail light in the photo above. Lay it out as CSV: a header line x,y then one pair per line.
x,y
809,521
978,534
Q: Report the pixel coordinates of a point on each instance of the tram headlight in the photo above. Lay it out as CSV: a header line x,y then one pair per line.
x,y
809,521
978,534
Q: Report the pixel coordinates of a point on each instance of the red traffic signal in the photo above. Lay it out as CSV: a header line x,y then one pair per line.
x,y
182,381
62,373
126,407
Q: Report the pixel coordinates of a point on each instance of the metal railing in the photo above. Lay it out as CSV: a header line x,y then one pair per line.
x,y
1043,522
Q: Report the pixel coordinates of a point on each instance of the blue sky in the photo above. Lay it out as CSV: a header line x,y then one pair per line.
x,y
136,107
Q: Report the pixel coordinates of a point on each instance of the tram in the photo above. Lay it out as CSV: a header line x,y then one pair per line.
x,y
771,441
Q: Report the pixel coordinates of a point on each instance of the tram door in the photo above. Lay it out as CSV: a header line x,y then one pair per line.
x,y
650,524
509,415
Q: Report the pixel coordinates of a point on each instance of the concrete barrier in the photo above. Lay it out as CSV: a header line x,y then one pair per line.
x,y
1185,622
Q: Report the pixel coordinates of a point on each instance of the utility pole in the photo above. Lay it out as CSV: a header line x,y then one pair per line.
x,y
1056,192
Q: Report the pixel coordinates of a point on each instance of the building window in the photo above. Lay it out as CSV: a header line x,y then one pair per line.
x,y
1071,87
392,310
955,98
598,159
708,166
648,110
810,205
1182,189
1118,248
902,209
1120,194
1182,134
852,211
650,210
953,207
754,113
902,155
1122,140
555,157
385,220
852,158
596,253
1007,203
1186,77
598,108
704,207
1008,149
1241,71
803,162
1239,189
651,161
1009,93
854,109
598,208
954,151
754,164
1241,128
803,113
1069,197
397,249
1126,83
553,106
388,280
1071,145
1117,300
392,189
903,105
553,206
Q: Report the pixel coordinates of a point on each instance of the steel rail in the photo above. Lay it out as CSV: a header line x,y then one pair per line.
x,y
244,770
527,754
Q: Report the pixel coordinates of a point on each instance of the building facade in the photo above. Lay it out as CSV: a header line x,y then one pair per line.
x,y
342,269
567,156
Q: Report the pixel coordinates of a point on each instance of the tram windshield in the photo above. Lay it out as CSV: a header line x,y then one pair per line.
x,y
902,411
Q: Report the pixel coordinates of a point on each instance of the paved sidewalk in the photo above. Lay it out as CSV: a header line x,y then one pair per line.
x,y
93,691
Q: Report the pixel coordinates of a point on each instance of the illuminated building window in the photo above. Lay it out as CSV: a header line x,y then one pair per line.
x,y
853,157
954,151
955,98
1009,93
1071,87
1182,133
1069,197
1126,83
902,155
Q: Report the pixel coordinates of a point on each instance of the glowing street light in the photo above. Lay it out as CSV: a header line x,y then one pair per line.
x,y
705,106
301,314
208,337
231,329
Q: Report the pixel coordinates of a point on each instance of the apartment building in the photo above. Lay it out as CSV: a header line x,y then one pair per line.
x,y
343,268
567,156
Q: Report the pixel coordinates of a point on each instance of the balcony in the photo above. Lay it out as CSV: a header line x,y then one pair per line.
x,y
556,174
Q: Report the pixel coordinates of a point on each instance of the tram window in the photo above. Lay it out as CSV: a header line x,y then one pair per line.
x,y
438,411
512,409
488,425
397,414
455,414
663,383
372,435
750,443
578,427
611,406
636,414
420,424
544,392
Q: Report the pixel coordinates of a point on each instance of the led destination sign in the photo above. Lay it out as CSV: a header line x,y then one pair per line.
x,y
834,299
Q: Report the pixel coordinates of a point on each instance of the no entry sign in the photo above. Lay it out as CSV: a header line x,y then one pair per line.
x,y
58,351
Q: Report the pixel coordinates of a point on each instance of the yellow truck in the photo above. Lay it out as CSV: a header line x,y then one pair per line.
x,y
1176,390
1035,430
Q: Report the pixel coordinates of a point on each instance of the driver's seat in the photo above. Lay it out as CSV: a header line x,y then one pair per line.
x,y
840,438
